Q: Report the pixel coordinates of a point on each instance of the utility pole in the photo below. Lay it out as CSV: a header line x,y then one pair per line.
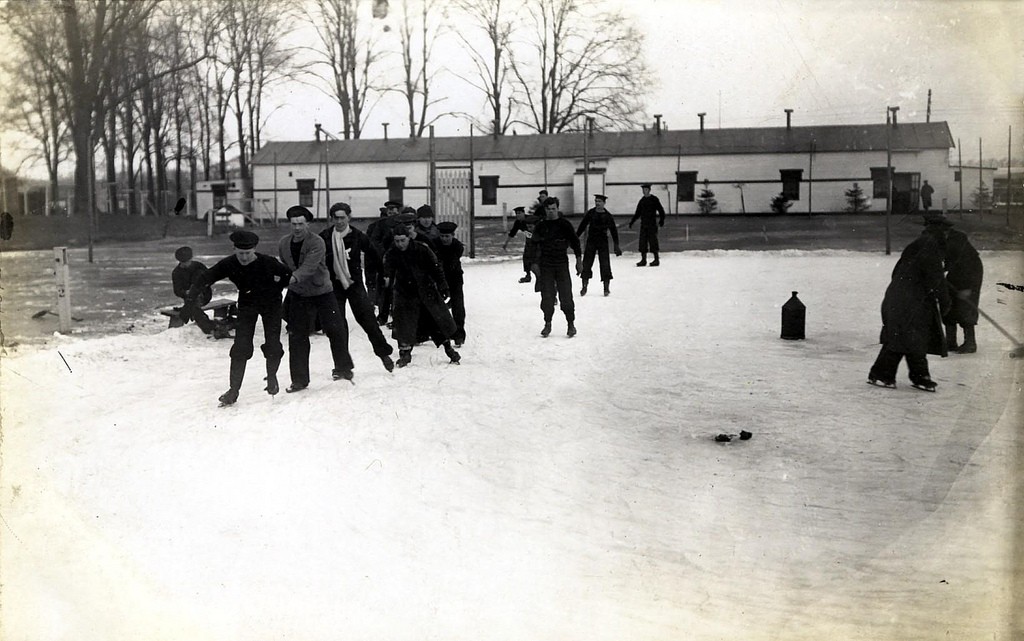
x,y
928,112
3,178
1009,185
960,171
888,181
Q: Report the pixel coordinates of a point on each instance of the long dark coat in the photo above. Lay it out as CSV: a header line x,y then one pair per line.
x,y
964,272
911,323
419,288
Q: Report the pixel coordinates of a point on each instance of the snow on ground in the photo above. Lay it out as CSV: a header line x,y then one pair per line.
x,y
544,490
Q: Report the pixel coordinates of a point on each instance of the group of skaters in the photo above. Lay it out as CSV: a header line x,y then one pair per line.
x,y
413,285
549,237
934,292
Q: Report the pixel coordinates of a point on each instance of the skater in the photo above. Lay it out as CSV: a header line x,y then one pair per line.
x,y
601,224
914,303
525,224
310,296
651,215
347,248
379,233
449,253
183,276
259,279
425,226
964,273
420,289
926,196
537,208
554,236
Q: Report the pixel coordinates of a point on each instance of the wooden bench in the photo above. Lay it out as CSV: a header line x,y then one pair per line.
x,y
221,308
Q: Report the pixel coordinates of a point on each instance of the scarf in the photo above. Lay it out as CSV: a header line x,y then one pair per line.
x,y
341,258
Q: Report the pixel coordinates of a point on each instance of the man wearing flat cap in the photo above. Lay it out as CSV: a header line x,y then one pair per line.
x,y
183,276
449,252
651,215
347,250
601,224
310,297
425,226
555,235
259,279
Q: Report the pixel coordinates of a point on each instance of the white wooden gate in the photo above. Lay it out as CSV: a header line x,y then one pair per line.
x,y
454,201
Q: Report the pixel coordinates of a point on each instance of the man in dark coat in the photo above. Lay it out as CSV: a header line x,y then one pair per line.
x,y
525,224
601,224
346,249
419,288
425,226
379,233
964,273
555,236
914,303
651,215
183,276
449,252
259,279
310,297
926,195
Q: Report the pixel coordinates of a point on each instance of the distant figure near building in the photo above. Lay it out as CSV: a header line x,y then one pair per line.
x,y
600,223
926,195
651,215
915,301
6,225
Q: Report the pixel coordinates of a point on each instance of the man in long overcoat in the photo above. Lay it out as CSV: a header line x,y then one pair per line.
x,y
964,273
600,222
419,288
912,309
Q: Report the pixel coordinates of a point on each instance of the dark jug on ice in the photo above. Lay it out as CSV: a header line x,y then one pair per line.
x,y
793,315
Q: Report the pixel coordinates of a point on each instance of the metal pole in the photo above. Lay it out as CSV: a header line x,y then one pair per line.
x,y
472,197
981,180
960,170
586,163
275,188
888,182
327,174
1009,185
91,189
63,275
810,181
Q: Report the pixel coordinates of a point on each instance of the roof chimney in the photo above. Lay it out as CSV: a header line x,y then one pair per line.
x,y
894,110
789,114
317,126
701,116
385,129
657,124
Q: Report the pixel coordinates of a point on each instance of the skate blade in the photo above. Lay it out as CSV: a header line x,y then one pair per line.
x,y
878,383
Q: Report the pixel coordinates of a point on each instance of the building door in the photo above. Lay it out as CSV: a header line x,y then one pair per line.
x,y
453,201
905,192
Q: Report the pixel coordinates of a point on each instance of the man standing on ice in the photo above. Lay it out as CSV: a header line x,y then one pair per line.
x,y
346,249
601,224
310,296
554,236
259,279
912,310
651,215
419,287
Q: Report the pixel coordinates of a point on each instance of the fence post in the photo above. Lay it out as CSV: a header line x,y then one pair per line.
x,y
63,275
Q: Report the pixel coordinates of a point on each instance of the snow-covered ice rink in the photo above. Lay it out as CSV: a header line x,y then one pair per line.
x,y
545,490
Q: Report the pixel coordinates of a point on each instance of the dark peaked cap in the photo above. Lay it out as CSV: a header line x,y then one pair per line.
x,y
243,239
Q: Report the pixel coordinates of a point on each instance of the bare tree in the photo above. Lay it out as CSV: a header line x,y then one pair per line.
x,y
491,63
582,61
417,32
352,53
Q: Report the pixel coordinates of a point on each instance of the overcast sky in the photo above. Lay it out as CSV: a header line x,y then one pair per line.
x,y
832,61
744,61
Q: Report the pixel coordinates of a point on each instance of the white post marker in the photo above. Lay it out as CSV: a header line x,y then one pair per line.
x,y
63,275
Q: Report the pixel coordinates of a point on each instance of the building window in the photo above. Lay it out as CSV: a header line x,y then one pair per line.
x,y
791,183
489,190
956,176
305,188
880,188
686,182
396,189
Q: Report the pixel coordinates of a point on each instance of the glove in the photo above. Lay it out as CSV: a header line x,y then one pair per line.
x,y
618,251
579,266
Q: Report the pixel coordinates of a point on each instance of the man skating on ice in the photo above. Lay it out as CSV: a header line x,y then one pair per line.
x,y
419,287
525,224
449,252
346,247
651,215
310,296
259,279
600,222
554,236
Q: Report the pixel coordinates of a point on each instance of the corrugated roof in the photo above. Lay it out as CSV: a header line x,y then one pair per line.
x,y
832,138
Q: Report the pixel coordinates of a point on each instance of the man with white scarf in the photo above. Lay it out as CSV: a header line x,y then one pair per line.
x,y
347,248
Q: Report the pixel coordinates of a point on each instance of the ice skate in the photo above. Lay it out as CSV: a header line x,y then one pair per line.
x,y
228,398
388,363
547,329
877,382
525,279
583,290
341,374
924,384
642,263
655,262
404,357
607,288
294,387
453,356
571,330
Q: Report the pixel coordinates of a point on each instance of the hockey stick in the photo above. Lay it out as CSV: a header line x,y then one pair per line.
x,y
1018,351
